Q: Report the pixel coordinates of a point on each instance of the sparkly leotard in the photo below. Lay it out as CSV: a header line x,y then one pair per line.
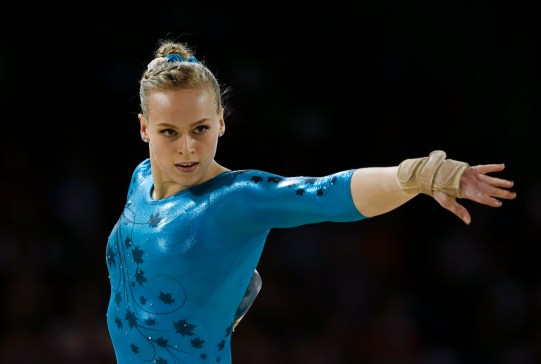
x,y
179,267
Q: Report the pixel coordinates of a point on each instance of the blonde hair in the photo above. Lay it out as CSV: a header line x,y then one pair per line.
x,y
166,74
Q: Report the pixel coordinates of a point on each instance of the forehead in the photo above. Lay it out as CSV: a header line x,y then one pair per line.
x,y
185,97
197,101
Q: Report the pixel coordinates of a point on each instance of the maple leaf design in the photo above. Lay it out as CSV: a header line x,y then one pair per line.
x,y
300,192
161,360
218,359
111,256
130,317
320,192
118,298
256,179
134,348
184,328
161,342
166,298
118,322
229,330
154,219
127,242
273,179
140,277
150,322
143,300
137,254
197,343
221,345
204,356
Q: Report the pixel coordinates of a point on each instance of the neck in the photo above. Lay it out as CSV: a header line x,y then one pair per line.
x,y
164,187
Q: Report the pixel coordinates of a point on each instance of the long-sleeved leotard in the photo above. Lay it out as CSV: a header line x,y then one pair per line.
x,y
179,267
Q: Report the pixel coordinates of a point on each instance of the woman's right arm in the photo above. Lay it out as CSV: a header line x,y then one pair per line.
x,y
377,190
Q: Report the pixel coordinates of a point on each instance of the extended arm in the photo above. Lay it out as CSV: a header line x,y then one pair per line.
x,y
377,190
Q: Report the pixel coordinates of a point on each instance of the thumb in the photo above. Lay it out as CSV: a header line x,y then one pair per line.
x,y
450,203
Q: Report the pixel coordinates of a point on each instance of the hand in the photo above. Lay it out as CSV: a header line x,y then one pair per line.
x,y
475,185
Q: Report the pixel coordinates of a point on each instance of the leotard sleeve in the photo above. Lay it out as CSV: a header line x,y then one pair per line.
x,y
259,200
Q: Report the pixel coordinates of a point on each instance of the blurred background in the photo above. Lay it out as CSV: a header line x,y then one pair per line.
x,y
313,89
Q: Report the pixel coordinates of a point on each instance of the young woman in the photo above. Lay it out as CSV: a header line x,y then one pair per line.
x,y
182,257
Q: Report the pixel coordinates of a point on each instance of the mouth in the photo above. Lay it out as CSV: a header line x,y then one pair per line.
x,y
186,166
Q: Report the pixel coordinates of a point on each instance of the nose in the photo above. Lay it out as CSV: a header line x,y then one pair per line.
x,y
186,145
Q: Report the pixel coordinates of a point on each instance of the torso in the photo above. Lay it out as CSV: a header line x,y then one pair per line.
x,y
179,267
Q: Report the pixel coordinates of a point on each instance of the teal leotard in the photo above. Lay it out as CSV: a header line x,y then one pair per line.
x,y
179,267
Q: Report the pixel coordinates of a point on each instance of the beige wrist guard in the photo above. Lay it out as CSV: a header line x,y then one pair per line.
x,y
432,173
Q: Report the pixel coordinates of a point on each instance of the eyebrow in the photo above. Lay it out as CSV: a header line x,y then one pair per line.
x,y
191,125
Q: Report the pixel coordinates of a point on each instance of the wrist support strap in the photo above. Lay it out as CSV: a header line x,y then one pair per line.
x,y
432,173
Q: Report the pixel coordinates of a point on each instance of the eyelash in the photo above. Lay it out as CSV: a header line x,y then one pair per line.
x,y
204,127
172,132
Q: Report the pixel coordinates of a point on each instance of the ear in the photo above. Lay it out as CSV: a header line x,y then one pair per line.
x,y
222,123
143,130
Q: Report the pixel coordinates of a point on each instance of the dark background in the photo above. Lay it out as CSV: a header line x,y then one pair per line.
x,y
314,89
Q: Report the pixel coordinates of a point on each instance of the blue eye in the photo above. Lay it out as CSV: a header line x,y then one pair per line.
x,y
168,132
201,129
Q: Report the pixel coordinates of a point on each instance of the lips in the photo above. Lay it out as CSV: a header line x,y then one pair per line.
x,y
186,166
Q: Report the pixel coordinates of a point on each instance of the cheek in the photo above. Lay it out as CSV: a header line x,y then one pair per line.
x,y
163,148
209,146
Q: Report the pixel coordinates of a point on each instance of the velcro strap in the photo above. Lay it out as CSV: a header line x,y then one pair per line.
x,y
432,173
447,178
428,171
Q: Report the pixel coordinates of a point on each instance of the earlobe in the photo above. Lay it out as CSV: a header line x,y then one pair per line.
x,y
143,128
222,124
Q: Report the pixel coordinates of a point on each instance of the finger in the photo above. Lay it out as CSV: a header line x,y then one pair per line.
x,y
489,168
485,189
494,181
498,188
485,199
487,195
499,193
450,203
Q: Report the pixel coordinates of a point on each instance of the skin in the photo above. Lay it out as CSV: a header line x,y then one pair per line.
x,y
183,126
376,190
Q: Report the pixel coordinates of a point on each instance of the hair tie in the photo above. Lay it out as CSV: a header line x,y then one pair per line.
x,y
173,57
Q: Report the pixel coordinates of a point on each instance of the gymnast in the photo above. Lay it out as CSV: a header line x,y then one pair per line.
x,y
183,256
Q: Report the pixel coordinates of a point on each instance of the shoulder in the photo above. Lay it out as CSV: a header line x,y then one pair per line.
x,y
144,166
258,179
255,177
238,181
141,172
